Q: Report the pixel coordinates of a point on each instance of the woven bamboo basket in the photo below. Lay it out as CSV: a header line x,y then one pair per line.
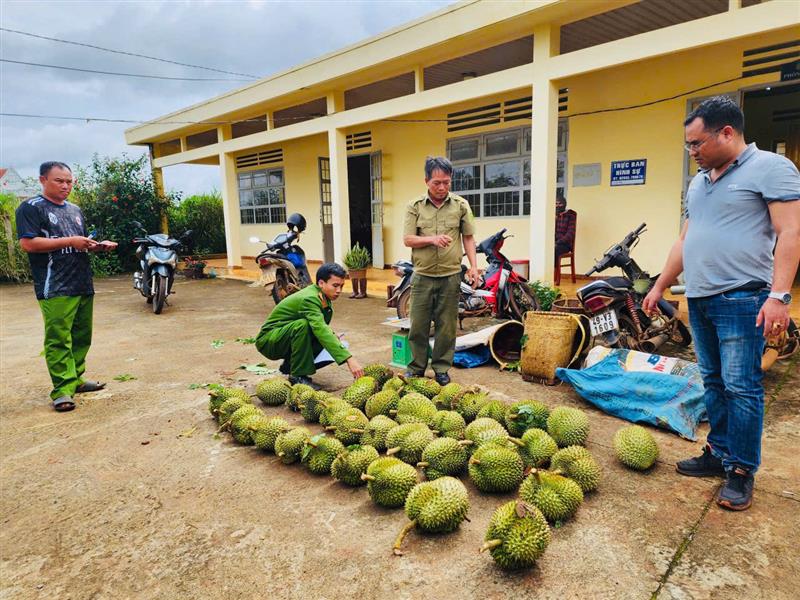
x,y
548,344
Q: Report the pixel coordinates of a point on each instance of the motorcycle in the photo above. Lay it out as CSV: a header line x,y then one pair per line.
x,y
500,292
283,262
614,304
158,259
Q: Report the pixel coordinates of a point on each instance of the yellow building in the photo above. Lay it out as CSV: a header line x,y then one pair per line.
x,y
525,97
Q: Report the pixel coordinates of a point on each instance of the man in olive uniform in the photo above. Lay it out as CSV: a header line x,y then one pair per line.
x,y
433,225
299,328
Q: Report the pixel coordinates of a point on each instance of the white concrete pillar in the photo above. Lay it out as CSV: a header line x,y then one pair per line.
x,y
340,198
544,137
230,208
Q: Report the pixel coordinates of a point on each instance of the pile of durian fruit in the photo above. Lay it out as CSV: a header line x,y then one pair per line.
x,y
385,430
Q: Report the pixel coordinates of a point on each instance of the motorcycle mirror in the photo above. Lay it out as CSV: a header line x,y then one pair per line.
x,y
254,239
187,234
137,224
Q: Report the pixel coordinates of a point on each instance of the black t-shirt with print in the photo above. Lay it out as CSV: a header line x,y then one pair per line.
x,y
63,272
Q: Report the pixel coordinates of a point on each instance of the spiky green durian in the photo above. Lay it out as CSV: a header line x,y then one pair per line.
x,y
484,430
264,438
359,391
635,447
577,463
422,385
517,536
289,444
568,426
297,395
496,468
230,406
558,497
414,408
469,401
396,383
274,391
435,507
495,409
348,425
311,405
448,423
379,372
244,428
375,432
408,441
389,480
444,399
537,447
350,465
218,395
381,403
444,456
525,415
240,414
319,453
331,406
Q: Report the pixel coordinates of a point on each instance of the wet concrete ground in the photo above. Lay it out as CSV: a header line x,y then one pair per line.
x,y
133,496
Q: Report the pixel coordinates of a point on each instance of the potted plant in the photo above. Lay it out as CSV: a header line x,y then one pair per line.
x,y
193,267
357,260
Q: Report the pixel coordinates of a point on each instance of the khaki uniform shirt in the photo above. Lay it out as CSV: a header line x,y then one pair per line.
x,y
453,218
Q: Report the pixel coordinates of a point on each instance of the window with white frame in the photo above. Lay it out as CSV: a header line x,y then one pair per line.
x,y
492,171
262,198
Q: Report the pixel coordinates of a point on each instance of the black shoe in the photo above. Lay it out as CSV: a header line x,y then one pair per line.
x,y
705,465
285,368
737,493
442,378
294,380
409,373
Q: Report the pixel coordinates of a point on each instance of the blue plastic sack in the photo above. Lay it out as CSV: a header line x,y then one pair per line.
x,y
668,401
472,357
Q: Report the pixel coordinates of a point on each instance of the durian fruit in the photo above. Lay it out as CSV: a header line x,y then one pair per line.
x,y
469,401
577,463
375,432
244,428
218,395
484,430
331,406
568,426
448,423
444,399
422,385
319,453
289,444
381,403
537,447
264,437
408,441
389,480
359,391
635,447
414,408
274,391
348,426
496,409
379,372
434,507
525,415
311,406
396,383
239,414
517,536
297,396
230,406
558,497
352,463
496,468
444,456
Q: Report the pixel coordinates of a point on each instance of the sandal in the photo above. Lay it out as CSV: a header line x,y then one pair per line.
x,y
89,386
63,404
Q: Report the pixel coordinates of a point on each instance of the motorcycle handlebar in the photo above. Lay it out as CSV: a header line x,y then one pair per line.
x,y
641,228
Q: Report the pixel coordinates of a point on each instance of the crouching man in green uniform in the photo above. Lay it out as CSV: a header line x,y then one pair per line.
x,y
299,328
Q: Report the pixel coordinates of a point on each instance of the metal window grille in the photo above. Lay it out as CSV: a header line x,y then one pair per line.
x,y
262,196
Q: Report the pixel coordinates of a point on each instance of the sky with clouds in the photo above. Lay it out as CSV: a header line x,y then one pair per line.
x,y
253,37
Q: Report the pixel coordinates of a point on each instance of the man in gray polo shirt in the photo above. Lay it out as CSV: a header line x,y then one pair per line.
x,y
738,250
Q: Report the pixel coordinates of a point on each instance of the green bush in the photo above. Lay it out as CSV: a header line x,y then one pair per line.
x,y
544,293
112,193
14,265
357,258
203,214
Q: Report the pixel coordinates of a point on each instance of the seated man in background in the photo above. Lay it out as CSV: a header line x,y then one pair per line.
x,y
565,227
298,328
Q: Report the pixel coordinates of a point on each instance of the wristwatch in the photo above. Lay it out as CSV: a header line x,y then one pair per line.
x,y
784,297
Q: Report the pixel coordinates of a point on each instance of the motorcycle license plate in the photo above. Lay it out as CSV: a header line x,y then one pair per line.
x,y
603,322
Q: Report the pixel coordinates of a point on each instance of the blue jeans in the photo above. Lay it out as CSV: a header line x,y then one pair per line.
x,y
729,347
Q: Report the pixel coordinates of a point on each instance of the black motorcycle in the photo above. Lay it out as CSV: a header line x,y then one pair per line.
x,y
614,304
283,262
158,259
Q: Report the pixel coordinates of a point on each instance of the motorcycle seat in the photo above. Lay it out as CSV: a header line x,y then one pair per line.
x,y
619,284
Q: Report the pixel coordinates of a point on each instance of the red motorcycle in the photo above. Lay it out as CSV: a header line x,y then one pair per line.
x,y
500,292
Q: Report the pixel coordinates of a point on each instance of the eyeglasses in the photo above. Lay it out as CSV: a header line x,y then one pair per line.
x,y
695,146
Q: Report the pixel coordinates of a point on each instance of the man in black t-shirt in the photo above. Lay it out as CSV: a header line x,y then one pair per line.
x,y
53,233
